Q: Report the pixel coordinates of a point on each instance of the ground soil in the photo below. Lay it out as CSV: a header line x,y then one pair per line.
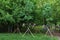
x,y
56,34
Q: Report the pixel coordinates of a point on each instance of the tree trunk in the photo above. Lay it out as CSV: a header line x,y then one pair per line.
x,y
17,30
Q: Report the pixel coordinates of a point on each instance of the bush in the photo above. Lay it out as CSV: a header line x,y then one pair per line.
x,y
39,29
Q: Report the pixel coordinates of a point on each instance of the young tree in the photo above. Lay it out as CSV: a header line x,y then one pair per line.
x,y
16,11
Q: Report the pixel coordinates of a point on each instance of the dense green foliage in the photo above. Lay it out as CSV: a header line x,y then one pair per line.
x,y
17,12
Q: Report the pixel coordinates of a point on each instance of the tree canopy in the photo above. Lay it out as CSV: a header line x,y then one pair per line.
x,y
27,11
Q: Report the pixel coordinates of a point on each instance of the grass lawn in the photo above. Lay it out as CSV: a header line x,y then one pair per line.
x,y
10,36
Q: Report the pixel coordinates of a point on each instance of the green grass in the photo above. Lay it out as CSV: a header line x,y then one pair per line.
x,y
7,36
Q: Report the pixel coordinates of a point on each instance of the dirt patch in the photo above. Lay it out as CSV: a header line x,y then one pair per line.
x,y
56,34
